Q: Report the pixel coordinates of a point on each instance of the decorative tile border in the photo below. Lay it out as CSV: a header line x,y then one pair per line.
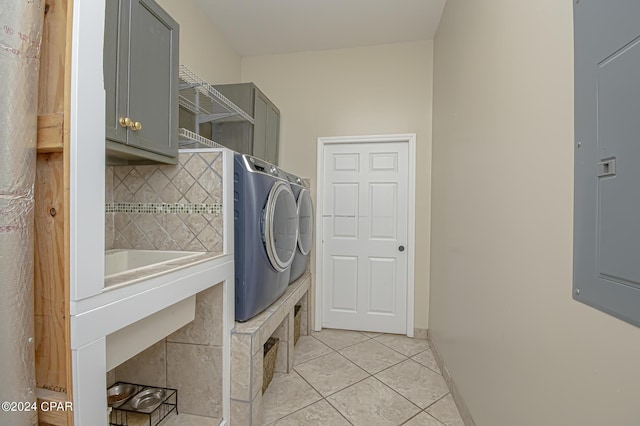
x,y
166,207
155,208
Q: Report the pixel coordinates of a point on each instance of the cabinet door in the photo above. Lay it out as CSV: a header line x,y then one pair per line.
x,y
153,78
272,136
116,57
260,127
241,94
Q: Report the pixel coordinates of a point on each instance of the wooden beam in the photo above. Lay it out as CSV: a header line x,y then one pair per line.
x,y
52,295
50,303
66,139
52,85
53,407
50,132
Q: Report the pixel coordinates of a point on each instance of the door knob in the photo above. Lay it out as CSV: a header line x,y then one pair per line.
x,y
136,126
401,248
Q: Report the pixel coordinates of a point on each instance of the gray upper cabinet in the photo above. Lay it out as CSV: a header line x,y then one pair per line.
x,y
260,139
141,82
607,155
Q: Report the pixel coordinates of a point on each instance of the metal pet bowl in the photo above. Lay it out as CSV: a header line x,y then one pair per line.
x,y
147,400
118,394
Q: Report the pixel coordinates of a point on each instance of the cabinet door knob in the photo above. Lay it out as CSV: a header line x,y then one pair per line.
x,y
136,126
125,121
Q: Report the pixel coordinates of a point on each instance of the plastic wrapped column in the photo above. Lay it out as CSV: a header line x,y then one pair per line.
x,y
20,37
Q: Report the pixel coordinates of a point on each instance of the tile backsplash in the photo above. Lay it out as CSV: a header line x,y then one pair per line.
x,y
166,207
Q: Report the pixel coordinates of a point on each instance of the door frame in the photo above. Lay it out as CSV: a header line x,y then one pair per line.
x,y
410,139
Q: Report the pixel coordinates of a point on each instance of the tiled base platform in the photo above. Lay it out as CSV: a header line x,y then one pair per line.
x,y
247,341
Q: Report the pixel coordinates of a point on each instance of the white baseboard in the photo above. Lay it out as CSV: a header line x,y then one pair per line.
x,y
420,333
457,398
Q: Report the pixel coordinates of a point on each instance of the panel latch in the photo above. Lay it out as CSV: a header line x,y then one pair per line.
x,y
607,167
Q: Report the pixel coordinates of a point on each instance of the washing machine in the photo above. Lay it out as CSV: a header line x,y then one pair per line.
x,y
266,234
304,208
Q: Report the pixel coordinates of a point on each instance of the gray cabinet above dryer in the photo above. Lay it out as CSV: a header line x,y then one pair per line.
x,y
260,139
141,82
607,154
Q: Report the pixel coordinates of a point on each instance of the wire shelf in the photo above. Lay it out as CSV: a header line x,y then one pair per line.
x,y
202,99
189,140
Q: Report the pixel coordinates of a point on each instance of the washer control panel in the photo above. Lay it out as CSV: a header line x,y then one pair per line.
x,y
258,165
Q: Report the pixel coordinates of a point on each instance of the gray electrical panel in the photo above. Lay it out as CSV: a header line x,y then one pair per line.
x,y
606,260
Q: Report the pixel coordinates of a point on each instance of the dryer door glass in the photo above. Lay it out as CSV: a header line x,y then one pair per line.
x,y
281,226
305,221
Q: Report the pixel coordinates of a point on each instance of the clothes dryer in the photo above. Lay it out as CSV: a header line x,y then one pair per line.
x,y
304,208
266,234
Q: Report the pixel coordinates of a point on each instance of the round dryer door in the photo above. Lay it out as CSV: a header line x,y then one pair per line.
x,y
280,226
305,221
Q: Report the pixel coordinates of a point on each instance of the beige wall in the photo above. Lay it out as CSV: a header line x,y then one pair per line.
x,y
520,350
362,91
202,47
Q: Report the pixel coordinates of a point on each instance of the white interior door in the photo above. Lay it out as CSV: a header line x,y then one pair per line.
x,y
365,210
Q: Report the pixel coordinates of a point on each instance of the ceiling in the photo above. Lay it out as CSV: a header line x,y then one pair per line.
x,y
264,27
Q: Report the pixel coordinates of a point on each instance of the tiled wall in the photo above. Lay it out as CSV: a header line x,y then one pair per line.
x,y
189,360
166,207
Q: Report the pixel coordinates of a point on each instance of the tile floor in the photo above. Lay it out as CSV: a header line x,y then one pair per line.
x,y
356,378
189,420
